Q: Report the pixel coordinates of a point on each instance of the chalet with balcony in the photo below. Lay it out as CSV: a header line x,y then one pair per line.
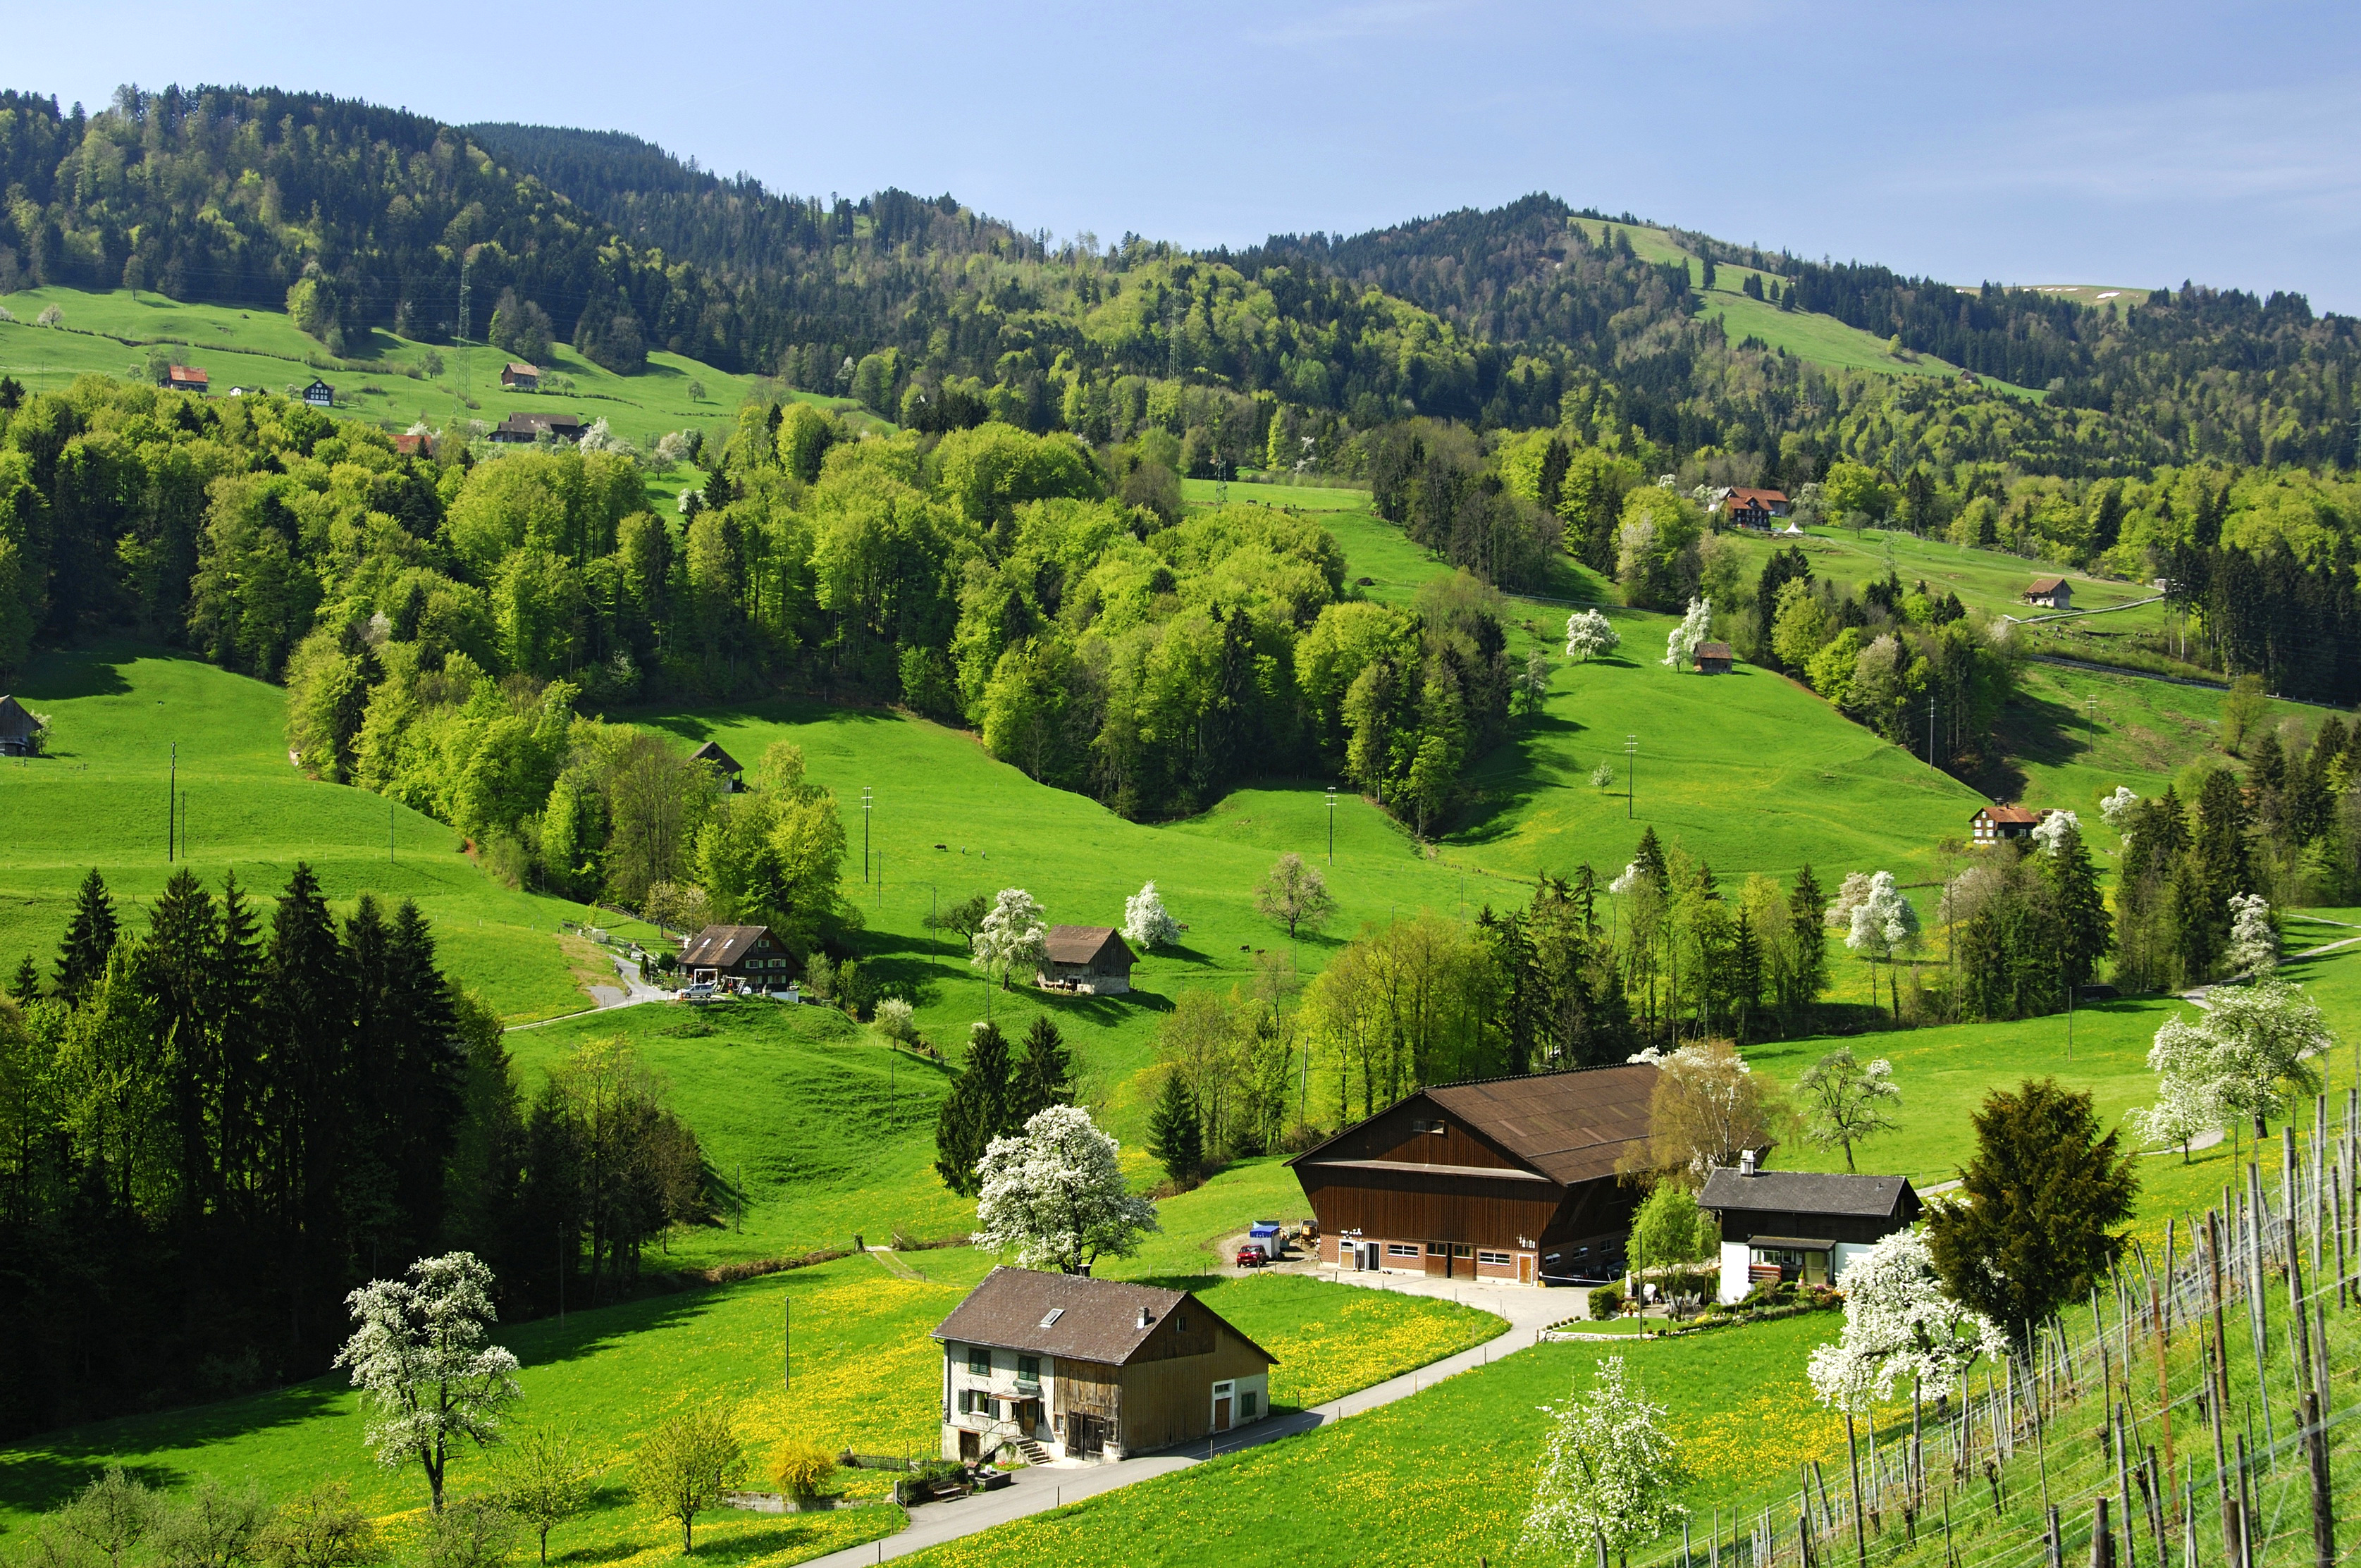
x,y
741,958
1800,1226
1994,823
1064,1367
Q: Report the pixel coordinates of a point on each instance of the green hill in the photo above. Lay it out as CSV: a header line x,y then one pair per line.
x,y
117,711
385,379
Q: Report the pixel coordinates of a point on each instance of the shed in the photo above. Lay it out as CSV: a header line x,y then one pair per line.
x,y
20,732
747,957
2050,593
519,376
1799,1225
1062,1366
319,395
1512,1180
1713,658
1092,959
723,763
186,378
1992,824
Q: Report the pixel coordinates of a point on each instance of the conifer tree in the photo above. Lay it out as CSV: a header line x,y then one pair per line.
x,y
24,988
1745,972
1808,929
234,989
975,1112
175,972
2090,931
1045,1077
308,1027
1176,1134
90,937
1650,857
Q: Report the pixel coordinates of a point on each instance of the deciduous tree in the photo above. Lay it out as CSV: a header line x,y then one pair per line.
x,y
1846,1102
419,1355
1056,1193
1294,895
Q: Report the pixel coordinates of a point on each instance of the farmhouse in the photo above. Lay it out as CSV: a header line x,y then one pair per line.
x,y
319,395
1992,824
1093,960
2051,593
1799,1225
723,763
747,955
185,379
1744,508
1061,1365
19,731
523,428
418,445
1509,1178
1712,658
516,376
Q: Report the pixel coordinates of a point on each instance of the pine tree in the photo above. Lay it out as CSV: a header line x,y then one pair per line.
x,y
1745,972
975,1112
1806,924
234,987
1176,1136
2090,931
308,1030
1650,857
1045,1077
25,989
174,972
90,937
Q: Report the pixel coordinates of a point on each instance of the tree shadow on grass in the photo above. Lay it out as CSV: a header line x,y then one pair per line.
x,y
1515,772
2031,730
71,673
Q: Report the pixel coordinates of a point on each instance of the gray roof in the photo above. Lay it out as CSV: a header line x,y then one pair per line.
x,y
712,752
721,946
15,722
1803,1192
1069,1316
1089,945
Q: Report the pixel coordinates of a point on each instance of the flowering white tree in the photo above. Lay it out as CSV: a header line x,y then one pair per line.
x,y
1603,776
1057,1194
600,438
2117,809
2264,1036
1145,921
1589,634
2052,829
1610,1470
2189,1100
1012,933
1900,1326
419,1354
1630,879
1693,628
2254,940
1882,924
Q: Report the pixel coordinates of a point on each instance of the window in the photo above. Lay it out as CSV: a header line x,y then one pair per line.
x,y
1438,1249
1180,1323
1028,1369
979,1361
1460,1249
1401,1249
1493,1259
1246,1402
1054,1314
1419,1124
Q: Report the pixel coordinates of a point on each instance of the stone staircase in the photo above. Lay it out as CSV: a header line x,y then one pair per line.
x,y
1033,1451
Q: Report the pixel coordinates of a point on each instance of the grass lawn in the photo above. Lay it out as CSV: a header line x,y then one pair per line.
x,y
1990,580
383,381
115,709
1446,1477
1278,492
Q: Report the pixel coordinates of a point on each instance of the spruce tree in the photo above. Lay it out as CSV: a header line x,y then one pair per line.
x,y
1045,1077
175,973
235,988
308,1030
2090,930
1808,925
90,937
1745,972
25,989
1175,1134
975,1112
1650,857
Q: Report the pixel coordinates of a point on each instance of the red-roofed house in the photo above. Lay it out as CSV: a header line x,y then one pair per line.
x,y
1746,508
419,446
186,378
1994,823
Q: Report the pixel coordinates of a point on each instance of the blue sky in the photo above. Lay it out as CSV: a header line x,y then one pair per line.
x,y
2120,143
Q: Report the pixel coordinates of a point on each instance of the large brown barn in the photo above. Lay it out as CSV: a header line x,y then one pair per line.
x,y
1508,1178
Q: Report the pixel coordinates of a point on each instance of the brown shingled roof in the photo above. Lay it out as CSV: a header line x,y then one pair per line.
x,y
1083,944
2046,586
1570,1127
1712,650
2014,814
1069,1316
720,946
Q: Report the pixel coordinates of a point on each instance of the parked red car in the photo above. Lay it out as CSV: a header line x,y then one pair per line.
x,y
1251,1258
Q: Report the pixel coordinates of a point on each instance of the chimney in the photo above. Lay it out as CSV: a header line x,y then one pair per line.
x,y
1145,1318
1746,1162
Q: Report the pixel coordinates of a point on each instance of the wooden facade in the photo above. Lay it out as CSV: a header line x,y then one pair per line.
x,y
1514,1179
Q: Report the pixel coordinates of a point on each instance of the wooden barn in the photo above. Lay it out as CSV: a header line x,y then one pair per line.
x,y
1093,960
20,732
725,765
519,376
1799,1225
1713,658
1061,1365
737,956
1508,1178
2050,593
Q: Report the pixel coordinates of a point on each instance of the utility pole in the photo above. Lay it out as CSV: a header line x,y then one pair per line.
x,y
865,804
1930,731
388,832
1331,825
1630,775
172,808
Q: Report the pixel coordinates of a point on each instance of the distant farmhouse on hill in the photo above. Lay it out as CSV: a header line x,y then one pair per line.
x,y
1994,823
186,378
20,732
1093,960
2050,593
516,376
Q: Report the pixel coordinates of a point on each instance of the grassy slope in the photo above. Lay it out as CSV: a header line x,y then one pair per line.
x,y
107,334
1989,580
99,800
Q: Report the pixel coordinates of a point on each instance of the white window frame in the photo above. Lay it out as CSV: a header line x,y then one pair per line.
x,y
1403,1249
1495,1259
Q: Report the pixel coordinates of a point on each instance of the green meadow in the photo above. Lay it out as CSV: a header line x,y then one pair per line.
x,y
1276,491
118,711
382,379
